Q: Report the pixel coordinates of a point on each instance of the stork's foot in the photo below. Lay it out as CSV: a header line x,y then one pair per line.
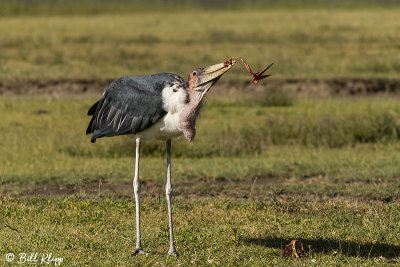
x,y
172,252
140,251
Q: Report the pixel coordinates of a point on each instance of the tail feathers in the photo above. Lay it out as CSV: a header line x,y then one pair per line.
x,y
93,109
92,112
94,126
89,128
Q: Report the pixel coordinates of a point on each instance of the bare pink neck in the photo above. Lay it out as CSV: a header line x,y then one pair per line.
x,y
188,116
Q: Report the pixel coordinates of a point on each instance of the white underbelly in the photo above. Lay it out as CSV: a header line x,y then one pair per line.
x,y
165,128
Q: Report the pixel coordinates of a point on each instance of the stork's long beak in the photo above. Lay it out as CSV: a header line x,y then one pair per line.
x,y
203,79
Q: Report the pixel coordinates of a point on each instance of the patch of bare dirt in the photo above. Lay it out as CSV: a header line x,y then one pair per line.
x,y
299,87
202,188
314,88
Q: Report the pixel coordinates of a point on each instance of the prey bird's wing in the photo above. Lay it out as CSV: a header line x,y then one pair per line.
x,y
258,74
129,105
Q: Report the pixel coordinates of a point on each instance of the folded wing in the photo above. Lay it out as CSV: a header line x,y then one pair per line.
x,y
130,105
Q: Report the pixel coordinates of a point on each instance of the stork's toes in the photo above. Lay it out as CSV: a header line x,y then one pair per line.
x,y
172,253
140,251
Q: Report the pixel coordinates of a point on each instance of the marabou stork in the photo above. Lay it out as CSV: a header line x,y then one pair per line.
x,y
156,107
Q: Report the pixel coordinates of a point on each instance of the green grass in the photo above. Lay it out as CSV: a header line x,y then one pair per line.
x,y
101,232
353,140
304,43
258,189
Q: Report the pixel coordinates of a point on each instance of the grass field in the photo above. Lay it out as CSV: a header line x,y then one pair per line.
x,y
44,139
101,231
303,44
258,188
267,166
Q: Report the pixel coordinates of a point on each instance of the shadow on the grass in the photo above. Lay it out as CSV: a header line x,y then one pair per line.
x,y
330,246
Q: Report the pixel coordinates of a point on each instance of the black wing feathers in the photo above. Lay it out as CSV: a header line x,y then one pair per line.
x,y
129,105
92,110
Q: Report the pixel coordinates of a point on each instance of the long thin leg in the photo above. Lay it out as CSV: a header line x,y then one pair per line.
x,y
136,189
168,191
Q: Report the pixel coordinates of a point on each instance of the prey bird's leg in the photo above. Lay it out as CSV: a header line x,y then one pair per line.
x,y
136,188
168,191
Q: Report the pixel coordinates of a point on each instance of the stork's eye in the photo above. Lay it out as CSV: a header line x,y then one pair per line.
x,y
194,73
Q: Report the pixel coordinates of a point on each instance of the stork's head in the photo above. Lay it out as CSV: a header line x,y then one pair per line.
x,y
202,79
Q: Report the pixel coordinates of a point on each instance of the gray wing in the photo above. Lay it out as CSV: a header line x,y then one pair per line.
x,y
130,105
